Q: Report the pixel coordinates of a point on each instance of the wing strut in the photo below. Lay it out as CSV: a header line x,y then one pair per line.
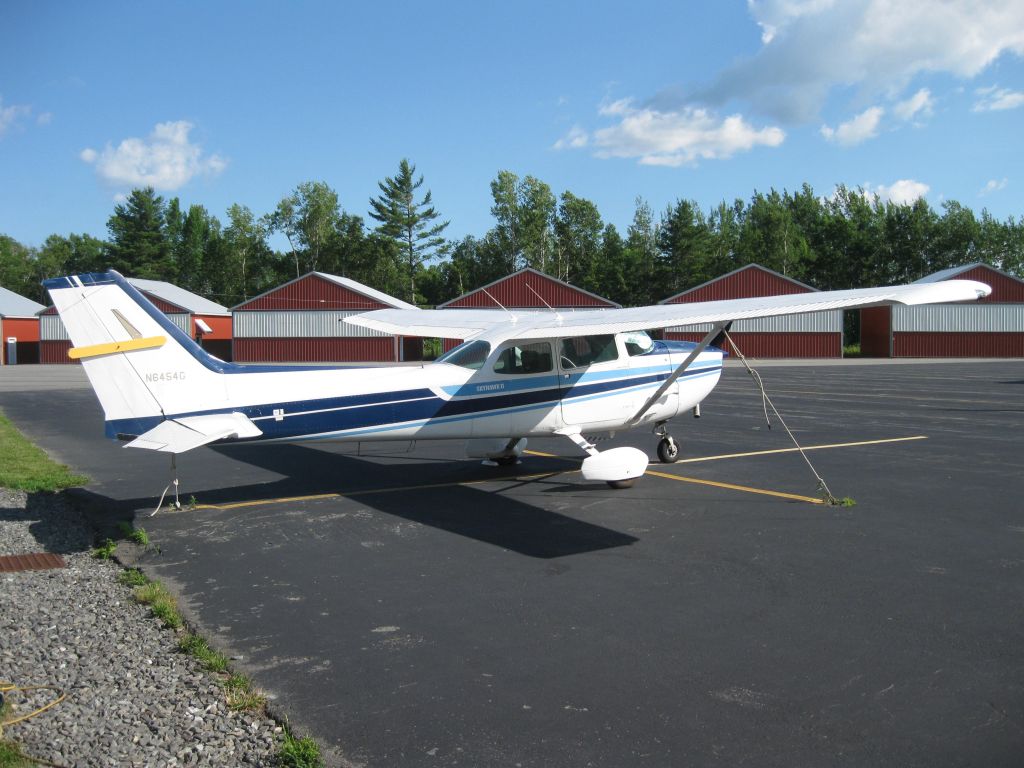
x,y
716,329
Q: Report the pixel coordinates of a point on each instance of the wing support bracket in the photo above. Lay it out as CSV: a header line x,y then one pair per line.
x,y
713,334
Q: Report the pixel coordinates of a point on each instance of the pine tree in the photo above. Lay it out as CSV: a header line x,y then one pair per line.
x,y
407,221
138,241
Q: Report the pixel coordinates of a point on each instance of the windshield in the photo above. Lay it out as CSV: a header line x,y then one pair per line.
x,y
470,354
637,343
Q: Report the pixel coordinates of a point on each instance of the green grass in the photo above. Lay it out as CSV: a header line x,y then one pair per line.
x,y
851,350
161,603
11,756
25,467
299,753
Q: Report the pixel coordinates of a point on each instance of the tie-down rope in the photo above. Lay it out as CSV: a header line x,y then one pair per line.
x,y
766,401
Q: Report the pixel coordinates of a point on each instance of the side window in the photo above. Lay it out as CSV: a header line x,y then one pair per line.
x,y
580,351
524,359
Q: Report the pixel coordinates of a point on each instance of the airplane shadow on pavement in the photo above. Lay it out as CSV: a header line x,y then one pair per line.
x,y
411,487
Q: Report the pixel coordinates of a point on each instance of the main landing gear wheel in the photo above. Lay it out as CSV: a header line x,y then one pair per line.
x,y
506,461
668,450
621,484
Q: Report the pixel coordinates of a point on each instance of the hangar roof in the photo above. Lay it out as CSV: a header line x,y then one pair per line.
x,y
15,305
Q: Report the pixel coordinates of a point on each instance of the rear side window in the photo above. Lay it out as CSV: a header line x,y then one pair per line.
x,y
524,359
580,351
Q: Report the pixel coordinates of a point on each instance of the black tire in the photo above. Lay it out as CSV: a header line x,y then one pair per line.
x,y
506,461
668,451
621,484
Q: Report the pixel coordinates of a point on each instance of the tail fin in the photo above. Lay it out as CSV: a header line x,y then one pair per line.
x,y
143,368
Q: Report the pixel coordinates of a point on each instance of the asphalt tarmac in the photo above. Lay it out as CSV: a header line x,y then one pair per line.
x,y
418,609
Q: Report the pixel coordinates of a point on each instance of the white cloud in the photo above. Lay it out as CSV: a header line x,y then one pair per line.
x,y
867,51
856,131
576,138
774,15
877,46
166,160
902,192
920,104
44,118
993,99
10,115
679,137
616,108
994,185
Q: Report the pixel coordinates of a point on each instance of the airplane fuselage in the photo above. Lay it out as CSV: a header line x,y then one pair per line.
x,y
443,400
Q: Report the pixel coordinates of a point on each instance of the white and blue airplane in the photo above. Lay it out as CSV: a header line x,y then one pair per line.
x,y
576,374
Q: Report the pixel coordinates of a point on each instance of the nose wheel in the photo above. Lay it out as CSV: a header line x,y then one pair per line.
x,y
668,450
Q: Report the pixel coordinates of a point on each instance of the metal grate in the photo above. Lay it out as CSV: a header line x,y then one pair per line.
x,y
35,561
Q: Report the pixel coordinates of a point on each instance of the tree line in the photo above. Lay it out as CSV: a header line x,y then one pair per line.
x,y
848,239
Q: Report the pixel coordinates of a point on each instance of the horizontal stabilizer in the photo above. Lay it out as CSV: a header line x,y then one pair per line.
x,y
186,433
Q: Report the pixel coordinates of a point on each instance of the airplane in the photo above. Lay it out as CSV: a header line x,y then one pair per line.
x,y
539,373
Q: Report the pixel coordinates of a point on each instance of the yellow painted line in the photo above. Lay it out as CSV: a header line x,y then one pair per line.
x,y
372,491
733,487
526,478
697,459
94,350
264,502
806,448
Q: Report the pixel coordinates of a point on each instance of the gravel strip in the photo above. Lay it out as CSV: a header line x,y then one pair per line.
x,y
132,698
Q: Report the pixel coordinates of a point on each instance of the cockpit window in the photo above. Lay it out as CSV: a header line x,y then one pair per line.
x,y
580,351
524,359
637,343
470,355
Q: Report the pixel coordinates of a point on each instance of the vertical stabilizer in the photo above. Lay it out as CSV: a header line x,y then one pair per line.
x,y
142,367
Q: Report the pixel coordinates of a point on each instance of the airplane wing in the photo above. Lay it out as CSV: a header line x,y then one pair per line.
x,y
188,432
443,323
466,323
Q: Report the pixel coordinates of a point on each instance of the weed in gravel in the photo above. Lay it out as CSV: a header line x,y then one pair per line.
x,y
133,577
105,551
299,752
138,535
160,602
198,648
241,696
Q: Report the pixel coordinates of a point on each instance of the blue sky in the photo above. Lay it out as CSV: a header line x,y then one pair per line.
x,y
231,102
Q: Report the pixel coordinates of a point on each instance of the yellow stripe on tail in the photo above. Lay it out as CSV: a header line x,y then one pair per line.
x,y
94,350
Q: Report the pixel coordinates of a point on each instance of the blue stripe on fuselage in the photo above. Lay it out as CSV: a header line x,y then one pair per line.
x,y
391,410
